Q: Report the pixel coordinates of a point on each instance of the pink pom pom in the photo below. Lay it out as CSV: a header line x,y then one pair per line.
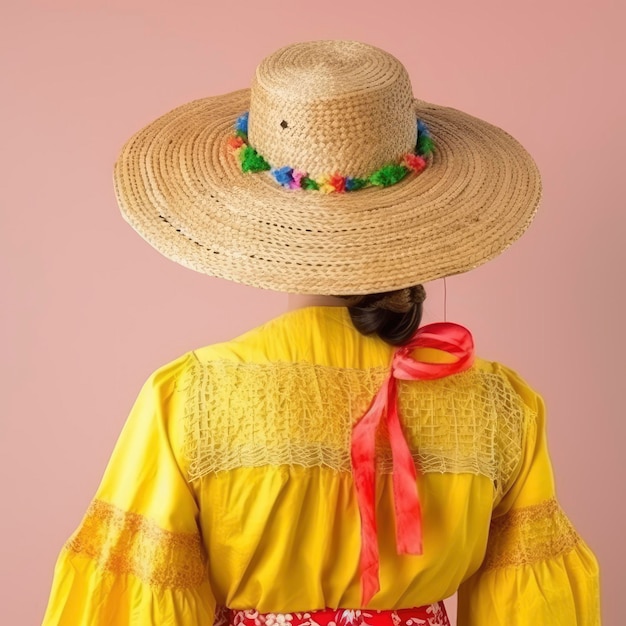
x,y
296,183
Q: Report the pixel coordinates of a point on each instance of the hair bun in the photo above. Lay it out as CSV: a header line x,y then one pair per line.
x,y
394,315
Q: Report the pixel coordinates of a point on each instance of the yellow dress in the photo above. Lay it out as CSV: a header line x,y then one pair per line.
x,y
230,485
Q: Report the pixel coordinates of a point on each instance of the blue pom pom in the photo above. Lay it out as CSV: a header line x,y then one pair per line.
x,y
242,123
283,175
352,184
422,129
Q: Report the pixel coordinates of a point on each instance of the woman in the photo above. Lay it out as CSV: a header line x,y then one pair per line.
x,y
335,465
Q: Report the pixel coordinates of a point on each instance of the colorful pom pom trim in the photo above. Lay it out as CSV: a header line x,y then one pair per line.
x,y
290,178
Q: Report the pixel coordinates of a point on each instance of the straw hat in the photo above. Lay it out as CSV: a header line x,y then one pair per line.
x,y
320,120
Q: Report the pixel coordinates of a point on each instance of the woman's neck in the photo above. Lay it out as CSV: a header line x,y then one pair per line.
x,y
299,301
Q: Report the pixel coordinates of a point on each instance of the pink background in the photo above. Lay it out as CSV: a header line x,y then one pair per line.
x,y
90,310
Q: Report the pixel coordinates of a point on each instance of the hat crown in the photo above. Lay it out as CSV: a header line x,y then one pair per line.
x,y
328,107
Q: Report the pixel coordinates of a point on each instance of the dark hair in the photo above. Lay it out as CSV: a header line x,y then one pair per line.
x,y
393,315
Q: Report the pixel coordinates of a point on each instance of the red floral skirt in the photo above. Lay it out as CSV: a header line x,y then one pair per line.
x,y
430,615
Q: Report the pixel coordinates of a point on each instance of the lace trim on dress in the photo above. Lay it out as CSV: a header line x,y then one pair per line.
x,y
128,543
252,415
529,535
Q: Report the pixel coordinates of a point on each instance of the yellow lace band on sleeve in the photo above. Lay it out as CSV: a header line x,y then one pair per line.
x,y
529,535
127,543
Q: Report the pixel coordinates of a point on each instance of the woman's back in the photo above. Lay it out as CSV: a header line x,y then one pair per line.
x,y
238,454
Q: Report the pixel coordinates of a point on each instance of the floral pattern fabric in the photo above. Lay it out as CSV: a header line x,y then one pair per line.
x,y
429,615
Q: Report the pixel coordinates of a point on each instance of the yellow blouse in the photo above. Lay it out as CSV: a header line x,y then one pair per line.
x,y
230,485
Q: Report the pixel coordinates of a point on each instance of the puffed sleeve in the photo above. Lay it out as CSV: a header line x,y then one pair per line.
x,y
137,556
537,569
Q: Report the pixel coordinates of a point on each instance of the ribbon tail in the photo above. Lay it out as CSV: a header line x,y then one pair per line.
x,y
408,511
363,453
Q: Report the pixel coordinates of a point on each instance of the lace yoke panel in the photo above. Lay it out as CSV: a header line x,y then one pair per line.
x,y
252,415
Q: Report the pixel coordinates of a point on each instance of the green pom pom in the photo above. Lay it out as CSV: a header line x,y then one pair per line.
x,y
252,161
388,175
242,134
308,183
424,145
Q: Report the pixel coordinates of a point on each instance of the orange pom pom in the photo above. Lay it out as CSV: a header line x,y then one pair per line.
x,y
235,142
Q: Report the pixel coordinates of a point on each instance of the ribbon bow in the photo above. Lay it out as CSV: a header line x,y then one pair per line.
x,y
453,339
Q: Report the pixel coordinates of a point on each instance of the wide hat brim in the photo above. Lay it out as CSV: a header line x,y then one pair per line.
x,y
182,189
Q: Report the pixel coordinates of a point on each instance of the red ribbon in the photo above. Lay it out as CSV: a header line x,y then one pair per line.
x,y
453,339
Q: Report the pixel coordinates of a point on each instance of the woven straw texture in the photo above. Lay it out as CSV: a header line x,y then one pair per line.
x,y
348,108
